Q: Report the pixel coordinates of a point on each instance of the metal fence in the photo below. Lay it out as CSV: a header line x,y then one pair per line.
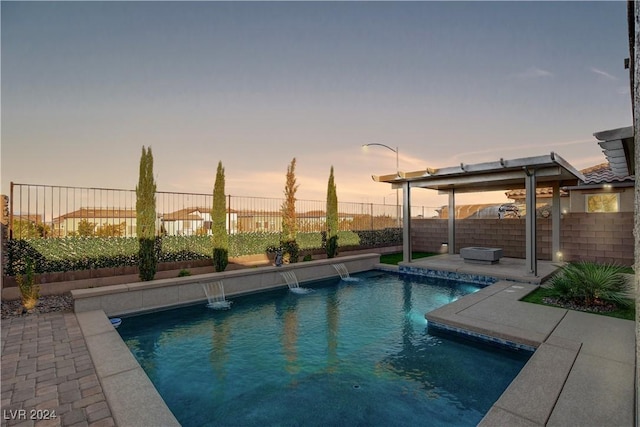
x,y
62,211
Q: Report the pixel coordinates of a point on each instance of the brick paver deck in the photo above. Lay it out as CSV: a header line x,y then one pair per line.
x,y
47,372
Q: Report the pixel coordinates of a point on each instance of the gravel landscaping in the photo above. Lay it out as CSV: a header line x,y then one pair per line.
x,y
46,304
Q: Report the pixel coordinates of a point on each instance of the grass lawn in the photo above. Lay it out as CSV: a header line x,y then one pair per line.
x,y
537,296
394,259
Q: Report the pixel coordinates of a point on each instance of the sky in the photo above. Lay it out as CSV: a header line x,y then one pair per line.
x,y
254,84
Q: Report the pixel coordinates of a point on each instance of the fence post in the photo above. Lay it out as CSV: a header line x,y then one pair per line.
x,y
11,211
371,216
229,213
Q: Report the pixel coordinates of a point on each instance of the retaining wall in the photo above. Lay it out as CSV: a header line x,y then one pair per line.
x,y
156,294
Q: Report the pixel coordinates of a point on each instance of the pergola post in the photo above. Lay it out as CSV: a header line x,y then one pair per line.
x,y
556,255
406,223
530,222
451,244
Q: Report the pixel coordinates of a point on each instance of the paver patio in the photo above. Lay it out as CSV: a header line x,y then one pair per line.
x,y
48,377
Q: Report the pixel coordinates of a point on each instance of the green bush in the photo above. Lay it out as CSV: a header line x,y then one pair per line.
x,y
92,252
29,289
290,251
384,237
220,258
147,259
184,273
590,284
148,249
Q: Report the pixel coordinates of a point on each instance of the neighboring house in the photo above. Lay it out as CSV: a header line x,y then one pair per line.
x,y
69,223
602,191
250,221
194,220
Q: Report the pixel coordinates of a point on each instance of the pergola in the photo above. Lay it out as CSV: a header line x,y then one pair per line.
x,y
531,172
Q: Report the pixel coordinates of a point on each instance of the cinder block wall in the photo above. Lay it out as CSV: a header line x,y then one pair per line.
x,y
602,237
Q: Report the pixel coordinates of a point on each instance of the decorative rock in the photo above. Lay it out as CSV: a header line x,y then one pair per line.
x,y
46,304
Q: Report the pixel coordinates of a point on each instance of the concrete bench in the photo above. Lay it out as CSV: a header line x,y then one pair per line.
x,y
475,255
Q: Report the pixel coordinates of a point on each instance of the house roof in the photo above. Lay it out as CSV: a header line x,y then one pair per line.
x,y
91,213
598,174
603,174
618,147
34,218
188,214
545,192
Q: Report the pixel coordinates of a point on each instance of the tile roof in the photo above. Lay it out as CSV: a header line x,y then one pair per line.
x,y
540,192
598,174
602,173
89,213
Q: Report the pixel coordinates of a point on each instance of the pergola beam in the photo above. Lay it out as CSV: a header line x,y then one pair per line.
x,y
504,174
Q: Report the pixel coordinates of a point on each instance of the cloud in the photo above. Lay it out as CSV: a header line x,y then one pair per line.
x,y
623,90
490,153
603,74
534,73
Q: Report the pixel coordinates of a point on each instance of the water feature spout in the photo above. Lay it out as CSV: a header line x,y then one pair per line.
x,y
344,273
215,296
292,283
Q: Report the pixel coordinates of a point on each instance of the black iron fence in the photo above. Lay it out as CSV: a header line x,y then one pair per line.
x,y
47,211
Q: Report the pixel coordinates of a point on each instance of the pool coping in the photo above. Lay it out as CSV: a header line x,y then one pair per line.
x,y
126,386
132,397
542,393
138,297
579,357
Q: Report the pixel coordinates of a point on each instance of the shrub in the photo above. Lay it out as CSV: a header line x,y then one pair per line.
x,y
29,290
184,273
146,217
219,217
332,218
291,251
387,236
591,284
148,257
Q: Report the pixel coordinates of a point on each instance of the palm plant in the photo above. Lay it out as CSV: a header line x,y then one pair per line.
x,y
590,283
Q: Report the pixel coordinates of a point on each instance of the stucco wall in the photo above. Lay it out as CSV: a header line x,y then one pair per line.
x,y
578,202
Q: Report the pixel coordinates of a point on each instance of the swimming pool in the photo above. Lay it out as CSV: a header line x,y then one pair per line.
x,y
349,353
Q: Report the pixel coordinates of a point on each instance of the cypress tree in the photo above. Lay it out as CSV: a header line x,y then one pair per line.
x,y
219,225
289,217
332,217
146,217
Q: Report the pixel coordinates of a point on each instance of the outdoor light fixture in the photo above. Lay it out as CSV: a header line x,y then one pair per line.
x,y
397,151
607,186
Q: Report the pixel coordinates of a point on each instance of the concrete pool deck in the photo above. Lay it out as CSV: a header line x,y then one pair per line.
x,y
446,265
582,372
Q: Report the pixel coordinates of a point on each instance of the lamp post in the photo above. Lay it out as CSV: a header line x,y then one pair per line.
x,y
397,151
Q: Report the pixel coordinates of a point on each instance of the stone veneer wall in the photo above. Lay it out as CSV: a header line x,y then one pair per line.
x,y
602,237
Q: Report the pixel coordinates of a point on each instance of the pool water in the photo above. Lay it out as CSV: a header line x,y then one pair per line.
x,y
348,353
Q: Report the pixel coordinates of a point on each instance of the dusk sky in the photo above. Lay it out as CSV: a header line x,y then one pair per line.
x,y
86,84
